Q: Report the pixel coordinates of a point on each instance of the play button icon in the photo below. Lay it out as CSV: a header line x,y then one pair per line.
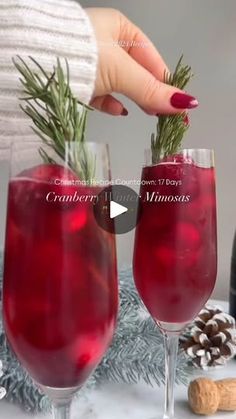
x,y
117,209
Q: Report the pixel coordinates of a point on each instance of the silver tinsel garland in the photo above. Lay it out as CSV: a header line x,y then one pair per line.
x,y
135,354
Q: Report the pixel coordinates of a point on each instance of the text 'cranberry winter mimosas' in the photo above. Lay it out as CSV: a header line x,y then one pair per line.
x,y
60,294
175,251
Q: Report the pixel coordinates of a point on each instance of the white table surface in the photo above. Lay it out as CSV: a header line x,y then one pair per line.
x,y
140,401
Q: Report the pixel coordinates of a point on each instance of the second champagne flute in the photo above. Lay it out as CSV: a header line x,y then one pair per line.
x,y
175,254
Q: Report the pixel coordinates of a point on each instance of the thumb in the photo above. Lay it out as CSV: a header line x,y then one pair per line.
x,y
152,95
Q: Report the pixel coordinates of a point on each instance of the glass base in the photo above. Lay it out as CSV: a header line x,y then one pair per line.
x,y
61,399
175,328
169,417
160,416
59,396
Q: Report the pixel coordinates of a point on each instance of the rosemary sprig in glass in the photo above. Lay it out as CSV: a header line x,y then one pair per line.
x,y
58,116
171,128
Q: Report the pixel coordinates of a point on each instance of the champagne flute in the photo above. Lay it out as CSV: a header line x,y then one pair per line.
x,y
175,253
60,294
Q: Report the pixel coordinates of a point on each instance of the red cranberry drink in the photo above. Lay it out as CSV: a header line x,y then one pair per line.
x,y
175,245
60,280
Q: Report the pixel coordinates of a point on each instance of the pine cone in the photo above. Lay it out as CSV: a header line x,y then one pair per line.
x,y
212,338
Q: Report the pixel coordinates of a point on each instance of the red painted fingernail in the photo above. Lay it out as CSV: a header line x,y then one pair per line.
x,y
183,101
124,112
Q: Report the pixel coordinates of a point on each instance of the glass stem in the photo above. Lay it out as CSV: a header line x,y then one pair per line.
x,y
171,342
62,411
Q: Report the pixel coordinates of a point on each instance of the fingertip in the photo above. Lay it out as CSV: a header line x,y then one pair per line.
x,y
109,105
124,112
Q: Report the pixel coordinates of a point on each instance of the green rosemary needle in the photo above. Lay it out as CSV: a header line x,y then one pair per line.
x,y
170,129
58,116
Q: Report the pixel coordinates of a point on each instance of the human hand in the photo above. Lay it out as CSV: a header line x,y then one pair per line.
x,y
130,64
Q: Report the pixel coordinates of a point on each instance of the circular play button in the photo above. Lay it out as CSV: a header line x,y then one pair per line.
x,y
117,209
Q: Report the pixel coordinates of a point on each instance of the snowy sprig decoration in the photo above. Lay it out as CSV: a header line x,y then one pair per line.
x,y
2,389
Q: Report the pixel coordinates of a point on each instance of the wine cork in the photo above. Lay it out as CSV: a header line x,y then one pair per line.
x,y
207,396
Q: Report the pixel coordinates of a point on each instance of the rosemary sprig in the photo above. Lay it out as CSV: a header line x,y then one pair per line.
x,y
58,116
171,128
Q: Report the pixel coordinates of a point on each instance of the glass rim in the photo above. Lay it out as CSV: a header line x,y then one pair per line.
x,y
187,149
205,157
28,153
16,144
